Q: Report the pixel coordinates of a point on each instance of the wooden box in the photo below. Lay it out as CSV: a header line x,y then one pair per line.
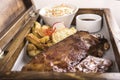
x,y
17,17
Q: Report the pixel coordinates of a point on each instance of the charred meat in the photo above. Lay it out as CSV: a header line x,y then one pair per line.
x,y
99,49
93,64
66,55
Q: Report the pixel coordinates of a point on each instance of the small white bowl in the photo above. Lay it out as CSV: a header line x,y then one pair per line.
x,y
66,19
88,22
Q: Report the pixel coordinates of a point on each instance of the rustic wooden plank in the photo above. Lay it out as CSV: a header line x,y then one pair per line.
x,y
58,76
6,37
21,6
110,24
15,46
12,60
9,10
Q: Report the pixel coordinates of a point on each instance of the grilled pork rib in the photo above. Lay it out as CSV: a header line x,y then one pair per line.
x,y
65,55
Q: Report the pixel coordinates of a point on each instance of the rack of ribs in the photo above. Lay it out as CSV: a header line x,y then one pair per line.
x,y
68,54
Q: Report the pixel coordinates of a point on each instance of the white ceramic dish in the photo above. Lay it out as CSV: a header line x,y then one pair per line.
x,y
88,22
66,19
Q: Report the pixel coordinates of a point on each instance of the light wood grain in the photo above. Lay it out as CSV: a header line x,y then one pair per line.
x,y
58,76
110,24
9,10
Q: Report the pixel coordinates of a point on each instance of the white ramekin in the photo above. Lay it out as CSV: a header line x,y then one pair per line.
x,y
92,24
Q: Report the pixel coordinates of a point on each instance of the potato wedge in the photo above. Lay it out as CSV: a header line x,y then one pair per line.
x,y
31,46
45,39
35,40
36,29
33,52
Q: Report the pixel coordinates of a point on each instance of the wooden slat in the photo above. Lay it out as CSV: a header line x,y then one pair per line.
x,y
6,37
58,76
9,10
15,46
110,24
12,60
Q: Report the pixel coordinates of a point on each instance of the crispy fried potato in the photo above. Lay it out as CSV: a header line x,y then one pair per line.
x,y
34,52
31,46
36,29
35,40
45,39
39,43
